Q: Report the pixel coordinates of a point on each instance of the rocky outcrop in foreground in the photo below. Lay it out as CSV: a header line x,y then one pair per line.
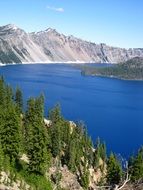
x,y
17,46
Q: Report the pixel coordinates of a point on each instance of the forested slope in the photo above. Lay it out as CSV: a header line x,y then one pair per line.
x,y
129,70
44,153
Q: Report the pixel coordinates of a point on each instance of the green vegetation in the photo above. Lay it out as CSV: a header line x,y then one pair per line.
x,y
19,100
114,170
56,145
129,70
136,165
36,136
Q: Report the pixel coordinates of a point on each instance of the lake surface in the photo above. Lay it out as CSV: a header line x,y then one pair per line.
x,y
112,109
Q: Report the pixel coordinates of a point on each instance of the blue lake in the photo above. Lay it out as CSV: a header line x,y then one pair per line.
x,y
112,109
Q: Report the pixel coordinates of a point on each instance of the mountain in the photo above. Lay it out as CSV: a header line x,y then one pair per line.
x,y
17,46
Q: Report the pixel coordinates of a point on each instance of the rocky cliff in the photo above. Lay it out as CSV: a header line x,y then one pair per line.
x,y
17,46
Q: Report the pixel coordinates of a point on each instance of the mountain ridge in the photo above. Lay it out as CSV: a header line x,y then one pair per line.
x,y
17,46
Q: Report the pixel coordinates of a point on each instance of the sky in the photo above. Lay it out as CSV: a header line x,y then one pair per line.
x,y
114,22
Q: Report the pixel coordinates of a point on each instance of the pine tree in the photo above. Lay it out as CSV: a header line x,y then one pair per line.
x,y
55,114
114,170
36,138
136,166
2,92
71,159
85,178
88,149
65,135
56,130
100,153
10,132
9,124
8,96
1,158
19,100
56,139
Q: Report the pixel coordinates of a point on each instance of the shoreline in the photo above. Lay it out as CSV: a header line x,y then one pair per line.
x,y
48,62
113,77
52,62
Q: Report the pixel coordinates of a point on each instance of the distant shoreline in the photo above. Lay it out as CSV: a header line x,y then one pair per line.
x,y
48,62
113,77
52,62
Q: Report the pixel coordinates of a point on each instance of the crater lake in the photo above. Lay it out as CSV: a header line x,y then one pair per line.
x,y
112,109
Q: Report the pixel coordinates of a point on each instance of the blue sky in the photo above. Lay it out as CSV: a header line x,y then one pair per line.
x,y
114,22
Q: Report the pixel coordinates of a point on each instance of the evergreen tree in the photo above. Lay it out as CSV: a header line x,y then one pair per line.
x,y
9,124
86,146
1,158
2,92
114,170
8,97
10,132
56,139
71,158
19,100
55,114
56,130
79,135
100,153
136,166
66,134
85,178
36,138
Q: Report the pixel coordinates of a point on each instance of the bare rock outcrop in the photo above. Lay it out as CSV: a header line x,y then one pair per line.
x,y
17,46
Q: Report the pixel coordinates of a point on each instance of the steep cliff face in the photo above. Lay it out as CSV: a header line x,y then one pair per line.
x,y
69,48
17,46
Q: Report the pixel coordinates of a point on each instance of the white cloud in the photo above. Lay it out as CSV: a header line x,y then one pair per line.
x,y
58,9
